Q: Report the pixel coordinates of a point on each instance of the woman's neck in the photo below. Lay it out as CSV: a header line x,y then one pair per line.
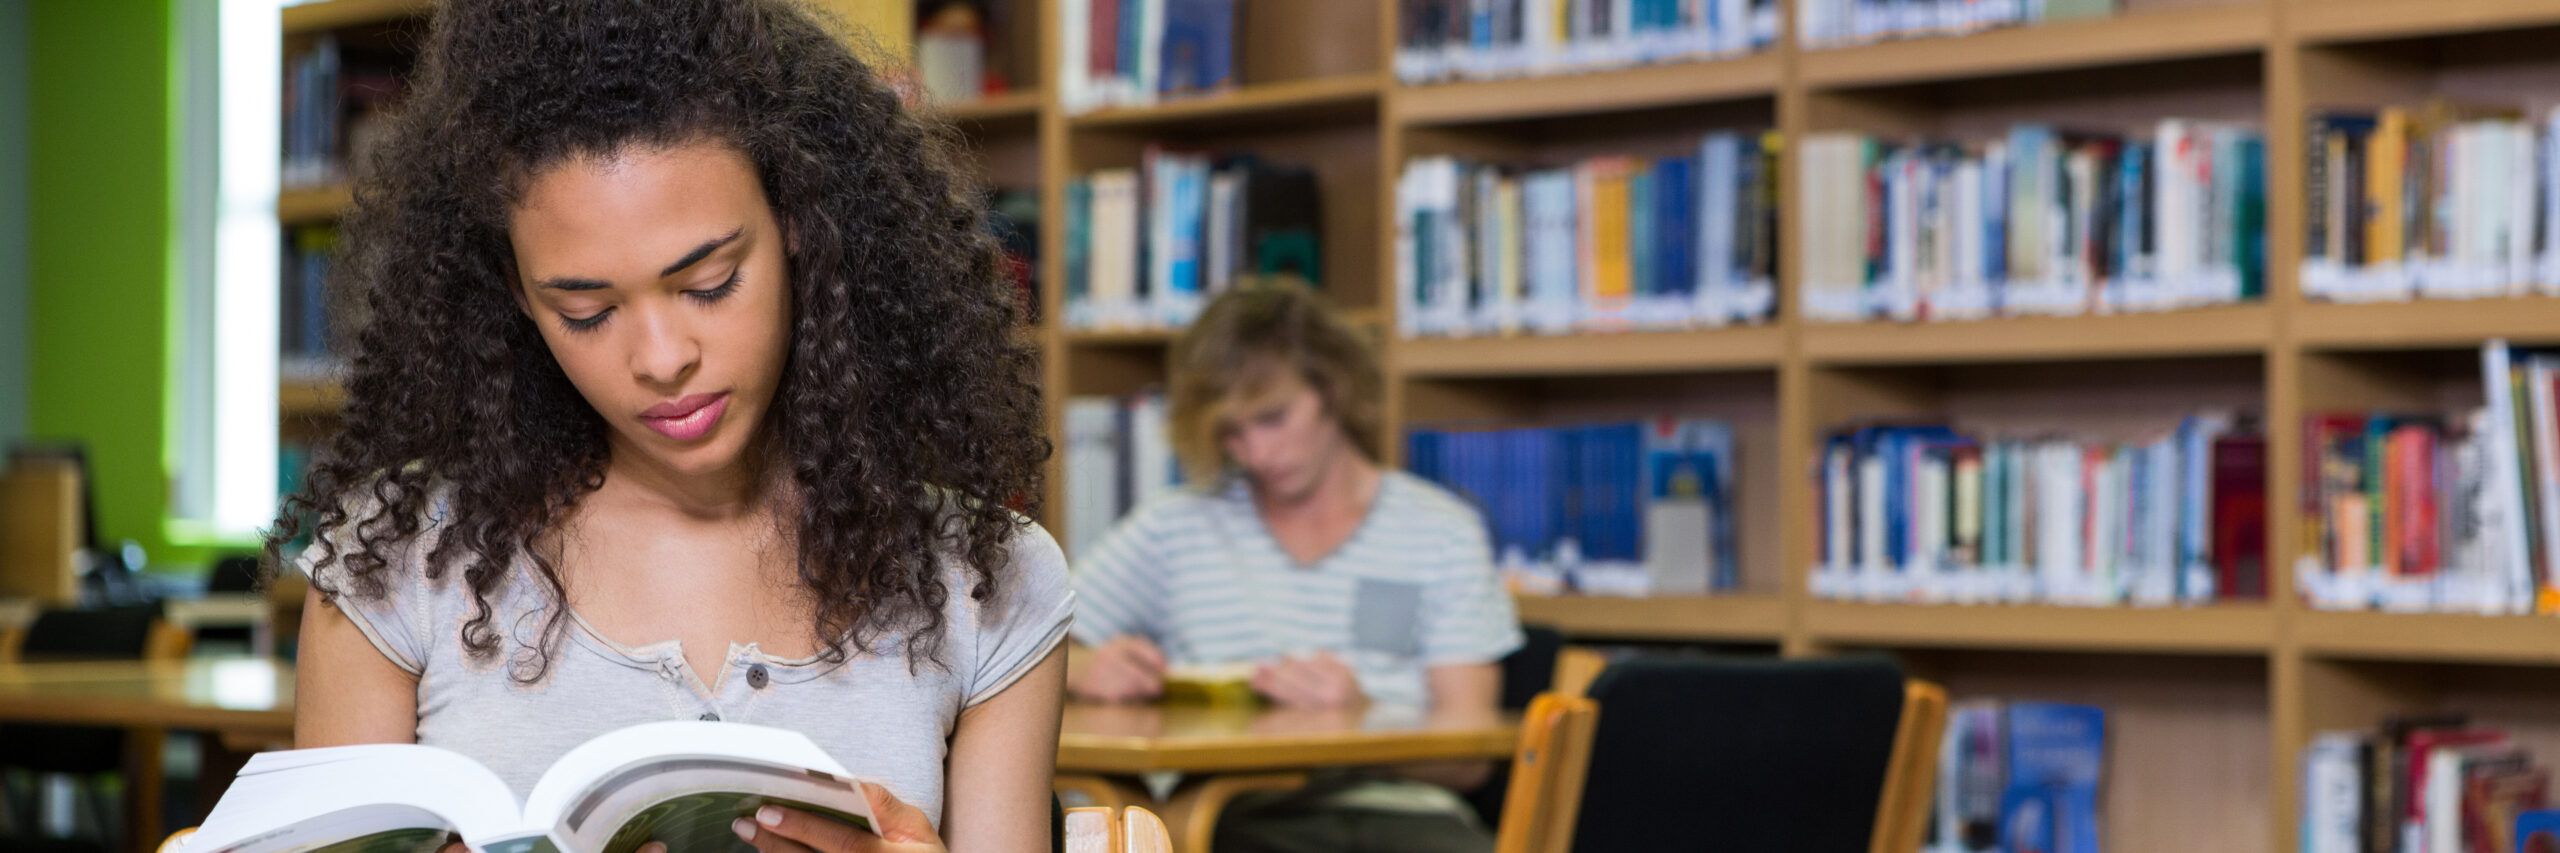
x,y
741,490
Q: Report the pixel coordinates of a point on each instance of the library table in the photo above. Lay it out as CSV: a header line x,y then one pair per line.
x,y
243,700
1225,750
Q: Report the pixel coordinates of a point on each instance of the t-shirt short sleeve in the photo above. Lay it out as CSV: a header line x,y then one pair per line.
x,y
396,622
1026,620
1471,618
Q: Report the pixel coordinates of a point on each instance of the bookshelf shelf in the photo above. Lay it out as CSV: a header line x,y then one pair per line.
x,y
2341,21
1750,348
1566,95
333,14
1018,109
1293,103
2431,637
1122,338
1730,618
2217,630
2224,330
2138,37
2428,323
309,397
313,205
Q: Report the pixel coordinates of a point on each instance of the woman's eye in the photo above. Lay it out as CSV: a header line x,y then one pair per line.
x,y
719,293
586,323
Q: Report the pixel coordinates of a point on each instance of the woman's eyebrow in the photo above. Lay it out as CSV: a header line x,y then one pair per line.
x,y
701,251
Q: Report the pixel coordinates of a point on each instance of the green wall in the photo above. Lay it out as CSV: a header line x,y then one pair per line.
x,y
102,120
13,220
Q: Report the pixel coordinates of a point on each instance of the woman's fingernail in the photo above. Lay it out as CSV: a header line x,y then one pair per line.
x,y
769,816
745,829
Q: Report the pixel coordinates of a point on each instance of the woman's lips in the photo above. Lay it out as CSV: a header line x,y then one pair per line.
x,y
688,418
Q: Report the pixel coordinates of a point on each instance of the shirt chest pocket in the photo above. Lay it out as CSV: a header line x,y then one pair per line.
x,y
1386,617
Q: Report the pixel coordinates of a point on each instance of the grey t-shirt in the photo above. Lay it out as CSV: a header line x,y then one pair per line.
x,y
885,722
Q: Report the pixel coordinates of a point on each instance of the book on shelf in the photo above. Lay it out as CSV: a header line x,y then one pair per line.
x,y
308,325
1841,23
2019,776
1602,245
1013,215
951,51
1147,247
1924,513
1440,40
2438,201
1637,506
1119,456
678,783
2040,222
2427,784
334,98
1137,52
2444,512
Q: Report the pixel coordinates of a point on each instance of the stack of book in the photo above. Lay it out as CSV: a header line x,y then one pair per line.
x,y
2041,222
1926,514
2424,784
2436,202
1606,244
2454,513
1118,456
1441,40
1147,247
2019,776
309,340
1839,23
1135,52
1647,504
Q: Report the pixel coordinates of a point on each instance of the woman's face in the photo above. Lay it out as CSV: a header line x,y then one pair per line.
x,y
658,280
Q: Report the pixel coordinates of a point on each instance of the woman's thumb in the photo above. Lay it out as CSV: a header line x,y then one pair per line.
x,y
897,820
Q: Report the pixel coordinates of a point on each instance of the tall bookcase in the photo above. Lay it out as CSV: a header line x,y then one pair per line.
x,y
2209,707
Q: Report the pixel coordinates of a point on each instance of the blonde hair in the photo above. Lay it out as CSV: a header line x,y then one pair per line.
x,y
1239,346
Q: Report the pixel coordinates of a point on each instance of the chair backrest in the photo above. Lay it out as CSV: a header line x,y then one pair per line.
x,y
1912,783
236,573
1740,754
103,633
1547,775
1530,669
1097,829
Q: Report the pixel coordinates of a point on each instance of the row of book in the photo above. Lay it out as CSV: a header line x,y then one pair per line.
x,y
2039,222
1439,40
333,99
2020,777
2433,783
2434,512
1652,497
1146,247
1135,52
2439,201
309,318
1838,23
1119,455
1606,244
1928,514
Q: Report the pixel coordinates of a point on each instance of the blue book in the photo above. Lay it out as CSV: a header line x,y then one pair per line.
x,y
1079,213
1675,202
1199,45
1422,455
1641,238
2057,753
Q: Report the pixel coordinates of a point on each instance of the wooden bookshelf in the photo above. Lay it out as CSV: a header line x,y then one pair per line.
x,y
1693,618
2428,323
324,15
1739,348
310,397
2337,21
2132,38
2225,330
313,205
2430,637
2237,629
1640,88
1019,109
1324,100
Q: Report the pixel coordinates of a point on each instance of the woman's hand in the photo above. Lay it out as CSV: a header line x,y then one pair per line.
x,y
774,829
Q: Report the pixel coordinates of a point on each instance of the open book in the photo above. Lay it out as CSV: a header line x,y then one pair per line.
x,y
680,783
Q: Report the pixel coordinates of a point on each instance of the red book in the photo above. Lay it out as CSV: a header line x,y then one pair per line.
x,y
2240,516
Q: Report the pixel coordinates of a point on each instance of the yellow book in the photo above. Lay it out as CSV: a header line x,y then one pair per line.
x,y
2386,161
1210,684
1611,288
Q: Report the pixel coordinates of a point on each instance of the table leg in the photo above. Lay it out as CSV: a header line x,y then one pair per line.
x,y
1192,812
1112,793
143,778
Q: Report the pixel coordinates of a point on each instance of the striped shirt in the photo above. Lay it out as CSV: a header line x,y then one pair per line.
x,y
1199,574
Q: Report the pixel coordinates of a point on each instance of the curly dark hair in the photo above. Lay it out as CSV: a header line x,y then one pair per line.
x,y
906,418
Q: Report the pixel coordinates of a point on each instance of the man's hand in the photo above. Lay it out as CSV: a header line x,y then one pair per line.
x,y
1129,668
1317,681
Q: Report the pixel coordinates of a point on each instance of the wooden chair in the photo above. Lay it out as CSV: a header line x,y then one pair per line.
x,y
1822,754
1547,774
1093,829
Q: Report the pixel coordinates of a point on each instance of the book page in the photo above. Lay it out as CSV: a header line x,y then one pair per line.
x,y
682,783
384,797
